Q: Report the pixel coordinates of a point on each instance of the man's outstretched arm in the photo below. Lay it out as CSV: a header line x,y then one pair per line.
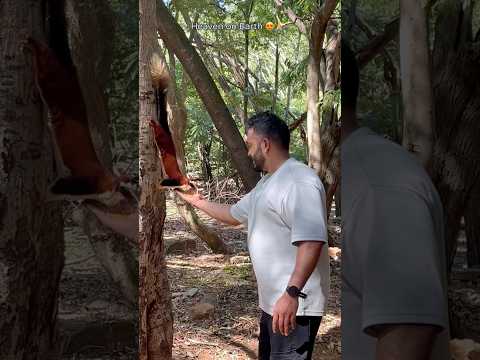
x,y
221,212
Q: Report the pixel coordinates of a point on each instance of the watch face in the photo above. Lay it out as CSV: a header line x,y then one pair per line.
x,y
293,291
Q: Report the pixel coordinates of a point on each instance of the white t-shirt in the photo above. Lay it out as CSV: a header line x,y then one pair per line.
x,y
283,208
393,247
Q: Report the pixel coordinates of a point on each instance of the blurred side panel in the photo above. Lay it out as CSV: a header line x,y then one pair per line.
x,y
31,230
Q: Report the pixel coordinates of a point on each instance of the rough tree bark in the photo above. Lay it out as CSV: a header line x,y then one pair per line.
x,y
31,229
317,34
90,29
416,83
178,124
156,318
456,165
175,40
329,170
456,168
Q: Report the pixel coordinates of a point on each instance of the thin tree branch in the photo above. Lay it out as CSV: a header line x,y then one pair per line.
x,y
297,122
387,57
293,17
378,43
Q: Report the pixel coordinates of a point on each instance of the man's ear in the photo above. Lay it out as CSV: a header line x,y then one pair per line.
x,y
265,144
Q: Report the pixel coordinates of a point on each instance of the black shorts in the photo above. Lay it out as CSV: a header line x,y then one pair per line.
x,y
298,345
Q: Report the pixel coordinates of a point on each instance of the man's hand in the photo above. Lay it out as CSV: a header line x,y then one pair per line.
x,y
220,212
192,198
284,314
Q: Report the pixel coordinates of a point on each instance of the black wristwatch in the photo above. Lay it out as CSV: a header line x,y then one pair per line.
x,y
295,292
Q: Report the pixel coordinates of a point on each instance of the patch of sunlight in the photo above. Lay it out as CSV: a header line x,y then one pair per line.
x,y
241,271
329,322
192,266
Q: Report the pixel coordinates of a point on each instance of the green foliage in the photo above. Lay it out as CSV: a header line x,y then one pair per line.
x,y
295,74
226,50
330,99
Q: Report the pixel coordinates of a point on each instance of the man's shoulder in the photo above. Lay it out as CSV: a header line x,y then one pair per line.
x,y
298,173
385,163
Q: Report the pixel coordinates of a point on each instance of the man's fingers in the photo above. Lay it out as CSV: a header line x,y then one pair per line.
x,y
281,323
286,324
293,321
275,322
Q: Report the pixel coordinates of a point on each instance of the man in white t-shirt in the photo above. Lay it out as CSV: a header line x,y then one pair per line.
x,y
394,303
287,241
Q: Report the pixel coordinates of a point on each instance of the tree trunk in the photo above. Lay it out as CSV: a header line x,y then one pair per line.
x,y
247,14
317,34
204,155
313,117
329,170
90,30
175,40
416,83
31,229
275,89
457,108
156,318
178,124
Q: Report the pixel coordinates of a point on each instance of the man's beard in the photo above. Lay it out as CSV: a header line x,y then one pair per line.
x,y
258,162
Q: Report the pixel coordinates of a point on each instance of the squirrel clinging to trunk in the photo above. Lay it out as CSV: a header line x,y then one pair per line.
x,y
163,136
60,90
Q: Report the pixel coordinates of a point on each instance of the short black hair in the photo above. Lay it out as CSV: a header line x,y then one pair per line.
x,y
349,77
271,126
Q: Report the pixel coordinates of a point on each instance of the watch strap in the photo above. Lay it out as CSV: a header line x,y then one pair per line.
x,y
295,292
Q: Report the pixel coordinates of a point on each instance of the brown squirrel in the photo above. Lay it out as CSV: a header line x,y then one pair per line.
x,y
163,136
60,90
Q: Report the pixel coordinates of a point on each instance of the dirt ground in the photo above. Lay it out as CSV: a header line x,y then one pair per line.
x,y
97,324
228,283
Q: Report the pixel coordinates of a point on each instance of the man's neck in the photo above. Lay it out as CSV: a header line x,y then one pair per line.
x,y
275,164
